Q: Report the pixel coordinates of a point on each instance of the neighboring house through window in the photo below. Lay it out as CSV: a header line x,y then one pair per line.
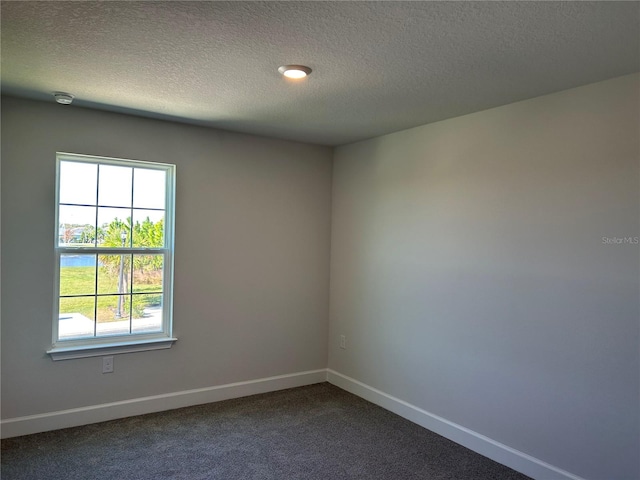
x,y
114,256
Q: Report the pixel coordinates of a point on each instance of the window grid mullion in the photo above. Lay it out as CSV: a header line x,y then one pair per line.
x,y
133,179
111,251
95,240
66,204
131,289
95,299
88,295
131,229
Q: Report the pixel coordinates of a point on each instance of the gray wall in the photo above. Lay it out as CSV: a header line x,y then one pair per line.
x,y
469,274
468,269
251,260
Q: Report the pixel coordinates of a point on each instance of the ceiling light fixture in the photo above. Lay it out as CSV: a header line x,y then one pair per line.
x,y
63,98
294,71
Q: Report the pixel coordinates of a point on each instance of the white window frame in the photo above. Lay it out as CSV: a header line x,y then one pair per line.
x,y
124,343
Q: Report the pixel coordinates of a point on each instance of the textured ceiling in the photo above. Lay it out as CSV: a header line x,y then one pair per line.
x,y
378,67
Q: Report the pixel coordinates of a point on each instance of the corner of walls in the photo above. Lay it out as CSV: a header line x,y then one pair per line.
x,y
481,444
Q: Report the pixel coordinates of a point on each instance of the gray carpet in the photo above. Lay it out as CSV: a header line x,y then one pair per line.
x,y
313,432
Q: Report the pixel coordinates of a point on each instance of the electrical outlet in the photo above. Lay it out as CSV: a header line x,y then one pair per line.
x,y
343,341
107,364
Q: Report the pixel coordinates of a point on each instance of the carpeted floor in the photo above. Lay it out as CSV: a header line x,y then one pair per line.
x,y
318,432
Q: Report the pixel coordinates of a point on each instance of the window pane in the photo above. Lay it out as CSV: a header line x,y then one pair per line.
x,y
147,273
114,274
147,313
75,224
78,183
148,228
115,186
77,274
76,317
114,227
149,188
113,315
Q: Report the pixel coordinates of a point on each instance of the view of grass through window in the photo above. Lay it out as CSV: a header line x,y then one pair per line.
x,y
111,236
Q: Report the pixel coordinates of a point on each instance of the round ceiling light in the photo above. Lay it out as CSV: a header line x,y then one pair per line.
x,y
63,98
294,71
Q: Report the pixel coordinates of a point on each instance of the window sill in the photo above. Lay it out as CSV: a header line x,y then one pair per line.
x,y
68,353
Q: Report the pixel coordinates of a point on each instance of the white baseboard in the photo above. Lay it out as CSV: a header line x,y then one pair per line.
x,y
503,454
499,452
74,417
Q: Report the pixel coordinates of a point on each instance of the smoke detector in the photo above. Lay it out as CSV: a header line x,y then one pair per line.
x,y
63,98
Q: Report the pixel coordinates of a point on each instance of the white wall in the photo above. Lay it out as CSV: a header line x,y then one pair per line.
x,y
469,274
251,260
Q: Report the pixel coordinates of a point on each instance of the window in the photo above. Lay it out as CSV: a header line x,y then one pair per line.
x,y
114,256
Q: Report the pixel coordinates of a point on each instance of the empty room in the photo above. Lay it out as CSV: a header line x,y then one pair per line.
x,y
320,240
